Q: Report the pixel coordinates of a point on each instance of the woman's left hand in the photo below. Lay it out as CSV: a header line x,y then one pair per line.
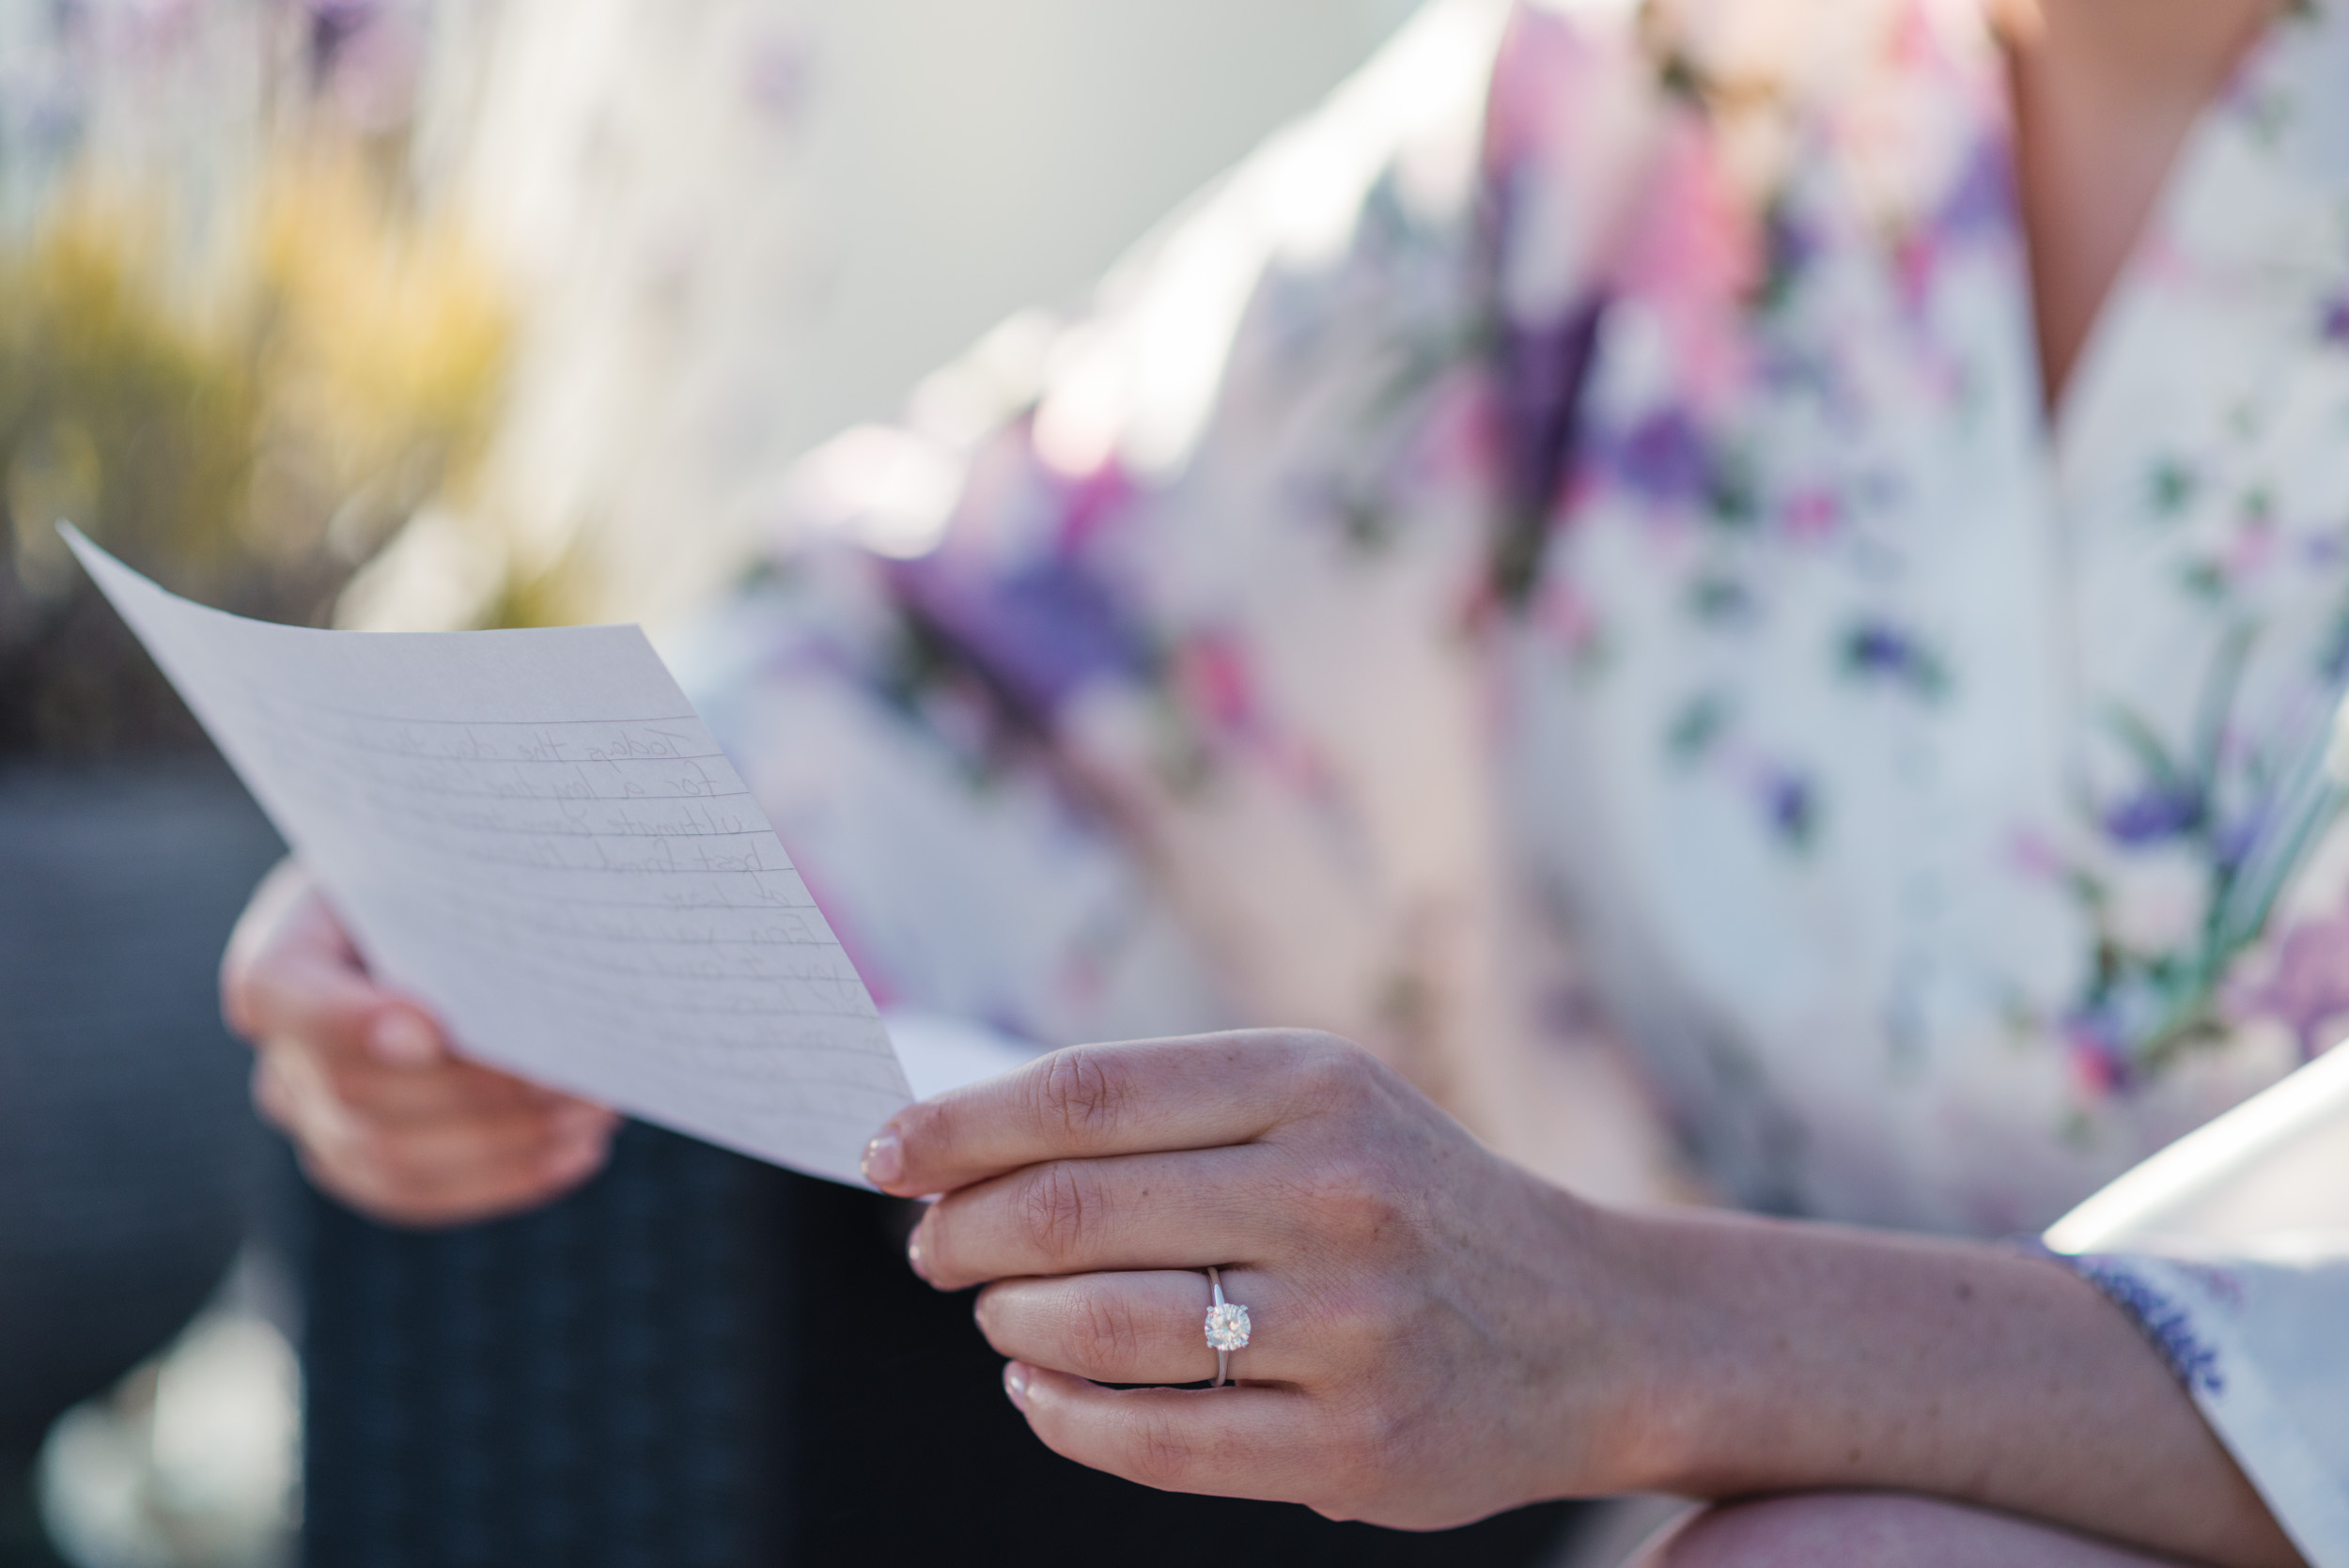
x,y
1438,1335
1426,1344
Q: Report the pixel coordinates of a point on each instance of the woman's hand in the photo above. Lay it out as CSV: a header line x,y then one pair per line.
x,y
1420,1355
1438,1335
385,1118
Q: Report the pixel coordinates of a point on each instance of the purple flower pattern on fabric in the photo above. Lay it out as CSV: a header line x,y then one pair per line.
x,y
1668,517
2161,812
1663,459
1880,650
2163,1321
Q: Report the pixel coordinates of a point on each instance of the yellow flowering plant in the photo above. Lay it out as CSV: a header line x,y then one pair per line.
x,y
249,430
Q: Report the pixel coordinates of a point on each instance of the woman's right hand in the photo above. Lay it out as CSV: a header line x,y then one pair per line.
x,y
386,1117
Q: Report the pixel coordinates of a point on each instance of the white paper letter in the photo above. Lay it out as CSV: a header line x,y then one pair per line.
x,y
534,835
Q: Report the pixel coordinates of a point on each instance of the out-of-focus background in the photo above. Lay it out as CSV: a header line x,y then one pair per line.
x,y
433,313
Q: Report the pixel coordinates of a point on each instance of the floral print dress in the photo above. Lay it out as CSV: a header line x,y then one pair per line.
x,y
1558,570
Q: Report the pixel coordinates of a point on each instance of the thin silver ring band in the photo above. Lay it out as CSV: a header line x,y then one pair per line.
x,y
1222,1358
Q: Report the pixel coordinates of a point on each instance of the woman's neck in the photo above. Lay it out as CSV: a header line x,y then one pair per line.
x,y
2105,92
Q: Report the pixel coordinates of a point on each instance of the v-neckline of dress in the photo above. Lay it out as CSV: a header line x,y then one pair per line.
x,y
2115,317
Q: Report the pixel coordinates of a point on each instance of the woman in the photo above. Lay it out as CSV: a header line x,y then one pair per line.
x,y
1804,530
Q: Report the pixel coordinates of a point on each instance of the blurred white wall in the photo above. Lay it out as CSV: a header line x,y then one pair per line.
x,y
976,156
740,225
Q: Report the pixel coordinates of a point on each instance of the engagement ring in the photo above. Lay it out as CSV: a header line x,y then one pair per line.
x,y
1227,1327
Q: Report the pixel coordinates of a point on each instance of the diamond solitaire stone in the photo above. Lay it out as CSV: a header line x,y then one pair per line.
x,y
1227,1327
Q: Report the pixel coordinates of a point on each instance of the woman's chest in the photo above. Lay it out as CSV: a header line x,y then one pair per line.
x,y
1993,731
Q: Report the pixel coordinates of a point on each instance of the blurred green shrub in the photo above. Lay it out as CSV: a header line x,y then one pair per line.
x,y
247,432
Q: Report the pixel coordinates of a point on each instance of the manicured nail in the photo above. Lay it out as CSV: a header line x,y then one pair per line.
x,y
1016,1384
884,1159
404,1040
913,1254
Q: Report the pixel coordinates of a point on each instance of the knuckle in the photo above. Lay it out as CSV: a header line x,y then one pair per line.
x,y
1320,1045
1352,1200
1334,1071
1104,1333
1082,1092
1056,1207
1356,1325
1159,1457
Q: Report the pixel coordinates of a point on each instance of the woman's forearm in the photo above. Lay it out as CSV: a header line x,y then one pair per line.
x,y
1774,1357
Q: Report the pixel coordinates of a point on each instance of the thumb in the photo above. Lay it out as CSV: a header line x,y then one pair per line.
x,y
291,970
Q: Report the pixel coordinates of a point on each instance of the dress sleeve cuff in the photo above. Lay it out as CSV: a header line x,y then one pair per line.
x,y
2258,1341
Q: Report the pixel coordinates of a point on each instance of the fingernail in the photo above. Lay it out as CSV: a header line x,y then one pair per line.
x,y
1016,1384
403,1039
884,1159
913,1255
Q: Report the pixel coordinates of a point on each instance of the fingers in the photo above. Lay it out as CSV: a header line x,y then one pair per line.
x,y
1092,1100
453,1088
1146,1328
363,1081
291,973
1086,1215
363,1087
1242,1442
488,1191
266,915
464,1166
434,1145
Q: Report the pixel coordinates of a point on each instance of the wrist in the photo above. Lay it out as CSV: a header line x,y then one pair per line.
x,y
1658,1360
1616,1351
